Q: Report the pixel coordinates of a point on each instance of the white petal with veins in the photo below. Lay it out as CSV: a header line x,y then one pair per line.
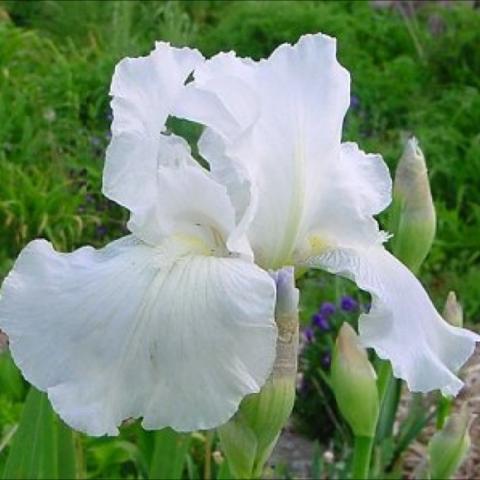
x,y
403,326
164,333
288,134
144,93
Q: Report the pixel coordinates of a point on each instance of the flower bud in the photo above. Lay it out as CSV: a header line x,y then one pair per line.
x,y
452,311
250,436
413,219
354,383
448,447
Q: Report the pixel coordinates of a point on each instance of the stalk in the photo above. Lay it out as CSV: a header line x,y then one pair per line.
x,y
362,456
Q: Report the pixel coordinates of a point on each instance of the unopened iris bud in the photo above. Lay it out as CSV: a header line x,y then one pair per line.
x,y
452,311
413,220
250,436
449,447
354,383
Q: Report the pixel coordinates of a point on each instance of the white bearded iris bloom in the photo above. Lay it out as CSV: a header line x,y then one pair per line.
x,y
175,322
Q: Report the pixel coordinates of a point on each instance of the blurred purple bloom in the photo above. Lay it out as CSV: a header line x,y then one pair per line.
x,y
96,142
326,360
320,321
309,334
327,309
348,304
354,102
304,386
101,231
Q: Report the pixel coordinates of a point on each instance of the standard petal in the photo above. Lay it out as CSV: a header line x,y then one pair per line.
x,y
163,333
350,191
288,134
144,92
403,326
223,95
186,201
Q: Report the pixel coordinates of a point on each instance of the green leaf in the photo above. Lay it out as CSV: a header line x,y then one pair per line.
x,y
11,378
66,452
224,471
43,446
169,454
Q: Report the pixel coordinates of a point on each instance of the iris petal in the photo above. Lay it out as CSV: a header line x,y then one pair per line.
x,y
283,128
164,333
403,326
144,92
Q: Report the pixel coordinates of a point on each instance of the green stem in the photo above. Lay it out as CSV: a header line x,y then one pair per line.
x,y
384,377
207,471
444,408
389,390
362,456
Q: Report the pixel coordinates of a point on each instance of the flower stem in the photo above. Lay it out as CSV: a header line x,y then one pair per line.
x,y
384,378
362,455
389,390
444,407
207,471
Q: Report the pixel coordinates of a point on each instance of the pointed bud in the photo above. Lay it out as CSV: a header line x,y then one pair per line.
x,y
413,219
250,436
452,311
354,383
448,447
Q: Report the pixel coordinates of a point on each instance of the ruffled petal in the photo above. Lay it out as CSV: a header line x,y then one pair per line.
x,y
187,201
164,333
144,93
403,326
286,134
223,95
350,191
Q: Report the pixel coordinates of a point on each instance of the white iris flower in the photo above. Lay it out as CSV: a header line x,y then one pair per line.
x,y
175,322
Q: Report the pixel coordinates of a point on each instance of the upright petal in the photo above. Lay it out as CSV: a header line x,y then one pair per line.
x,y
403,325
144,93
166,333
352,190
223,96
287,136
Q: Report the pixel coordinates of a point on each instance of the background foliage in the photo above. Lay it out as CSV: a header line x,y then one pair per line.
x,y
413,71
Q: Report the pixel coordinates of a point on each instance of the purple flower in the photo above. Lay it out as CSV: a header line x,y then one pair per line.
x,y
304,386
309,334
96,142
326,360
348,304
101,230
354,102
320,321
327,309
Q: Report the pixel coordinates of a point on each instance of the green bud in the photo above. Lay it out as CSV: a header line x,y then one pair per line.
x,y
354,383
250,436
413,219
452,311
448,447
